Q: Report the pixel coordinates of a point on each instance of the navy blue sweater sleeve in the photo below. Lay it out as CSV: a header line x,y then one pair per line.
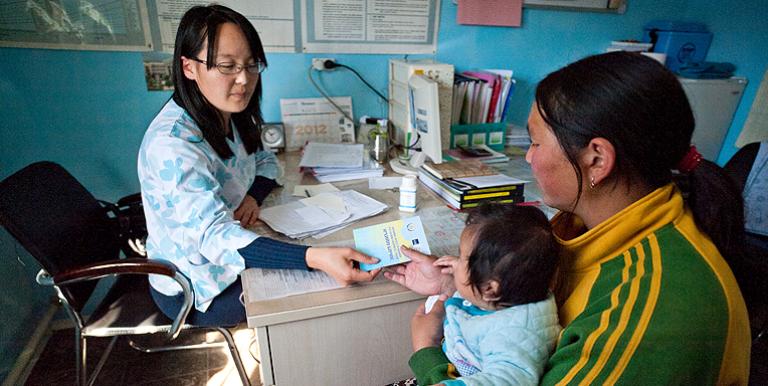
x,y
269,253
261,188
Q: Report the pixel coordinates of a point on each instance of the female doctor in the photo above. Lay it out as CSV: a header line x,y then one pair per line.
x,y
203,174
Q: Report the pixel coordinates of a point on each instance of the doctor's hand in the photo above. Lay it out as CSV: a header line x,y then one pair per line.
x,y
248,212
427,328
420,275
339,263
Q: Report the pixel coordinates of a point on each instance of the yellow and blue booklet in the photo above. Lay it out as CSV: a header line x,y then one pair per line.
x,y
383,241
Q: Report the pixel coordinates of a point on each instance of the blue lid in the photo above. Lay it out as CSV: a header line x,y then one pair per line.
x,y
677,26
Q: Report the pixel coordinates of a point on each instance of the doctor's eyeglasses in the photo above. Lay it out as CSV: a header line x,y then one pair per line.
x,y
232,68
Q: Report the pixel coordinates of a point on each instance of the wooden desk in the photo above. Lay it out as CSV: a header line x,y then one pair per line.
x,y
358,335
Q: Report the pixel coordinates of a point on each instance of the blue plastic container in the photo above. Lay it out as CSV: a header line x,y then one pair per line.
x,y
683,42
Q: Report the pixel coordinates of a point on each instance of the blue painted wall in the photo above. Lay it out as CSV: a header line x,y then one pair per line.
x,y
88,110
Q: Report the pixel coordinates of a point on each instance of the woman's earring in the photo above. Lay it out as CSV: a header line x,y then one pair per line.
x,y
592,182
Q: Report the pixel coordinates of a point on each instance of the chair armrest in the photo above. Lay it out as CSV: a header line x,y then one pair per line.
x,y
134,266
129,199
115,267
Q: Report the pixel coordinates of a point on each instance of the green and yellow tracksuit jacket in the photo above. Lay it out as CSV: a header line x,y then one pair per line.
x,y
646,299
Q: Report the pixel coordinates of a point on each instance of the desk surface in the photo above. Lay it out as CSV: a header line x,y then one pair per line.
x,y
443,241
359,334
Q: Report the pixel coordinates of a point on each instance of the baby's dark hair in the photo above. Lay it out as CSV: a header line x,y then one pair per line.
x,y
515,246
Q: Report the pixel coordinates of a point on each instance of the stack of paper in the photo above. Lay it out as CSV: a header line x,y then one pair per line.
x,y
369,169
331,162
469,192
320,215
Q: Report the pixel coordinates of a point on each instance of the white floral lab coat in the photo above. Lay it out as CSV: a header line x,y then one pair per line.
x,y
190,195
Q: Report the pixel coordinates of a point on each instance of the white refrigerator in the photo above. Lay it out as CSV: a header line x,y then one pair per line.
x,y
714,101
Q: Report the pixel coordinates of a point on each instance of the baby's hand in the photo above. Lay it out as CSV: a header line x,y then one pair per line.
x,y
427,328
448,263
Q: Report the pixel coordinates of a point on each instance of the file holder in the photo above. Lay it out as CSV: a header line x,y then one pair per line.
x,y
489,134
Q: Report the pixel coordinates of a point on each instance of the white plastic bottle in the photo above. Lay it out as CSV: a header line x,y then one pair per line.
x,y
408,194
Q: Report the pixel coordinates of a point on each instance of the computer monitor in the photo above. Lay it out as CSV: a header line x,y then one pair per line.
x,y
425,116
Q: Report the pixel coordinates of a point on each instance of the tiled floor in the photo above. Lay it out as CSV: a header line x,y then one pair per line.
x,y
126,366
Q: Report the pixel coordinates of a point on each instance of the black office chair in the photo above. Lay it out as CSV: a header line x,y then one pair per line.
x,y
76,242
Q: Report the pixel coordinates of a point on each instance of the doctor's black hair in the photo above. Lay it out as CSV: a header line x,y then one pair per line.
x,y
639,106
515,246
198,25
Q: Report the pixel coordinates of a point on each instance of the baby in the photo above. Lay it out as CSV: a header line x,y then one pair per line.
x,y
501,324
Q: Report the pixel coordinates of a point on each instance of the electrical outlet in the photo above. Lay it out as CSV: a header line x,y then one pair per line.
x,y
319,63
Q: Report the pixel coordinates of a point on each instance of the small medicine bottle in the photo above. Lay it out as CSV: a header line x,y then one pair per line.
x,y
408,194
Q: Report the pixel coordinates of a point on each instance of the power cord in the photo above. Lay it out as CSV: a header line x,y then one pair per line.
x,y
328,64
324,94
411,146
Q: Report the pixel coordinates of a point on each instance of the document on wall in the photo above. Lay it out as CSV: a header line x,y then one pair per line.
x,y
316,119
273,20
362,26
114,25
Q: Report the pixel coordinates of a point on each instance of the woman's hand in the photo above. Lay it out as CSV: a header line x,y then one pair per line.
x,y
420,275
248,212
427,328
338,262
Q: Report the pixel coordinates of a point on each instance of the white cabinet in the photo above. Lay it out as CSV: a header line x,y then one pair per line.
x,y
714,101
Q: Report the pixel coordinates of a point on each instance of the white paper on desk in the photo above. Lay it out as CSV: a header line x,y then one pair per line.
x,y
381,183
313,215
329,231
330,202
264,284
363,204
369,169
313,190
289,219
323,209
285,219
332,155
